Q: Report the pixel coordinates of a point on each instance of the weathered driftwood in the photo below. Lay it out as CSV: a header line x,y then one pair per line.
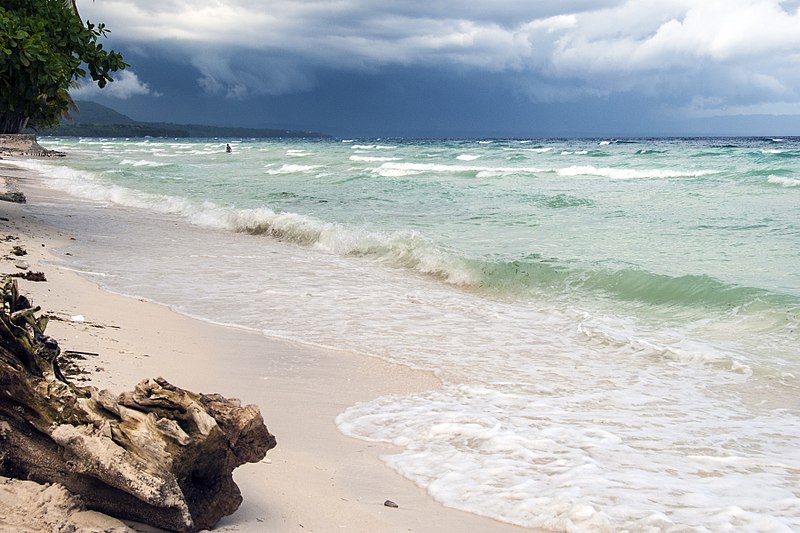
x,y
159,454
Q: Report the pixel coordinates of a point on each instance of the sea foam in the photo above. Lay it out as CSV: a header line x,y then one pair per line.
x,y
372,159
141,163
784,181
292,169
631,173
616,355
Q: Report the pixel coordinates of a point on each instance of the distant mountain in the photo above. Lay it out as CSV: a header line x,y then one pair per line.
x,y
94,113
96,120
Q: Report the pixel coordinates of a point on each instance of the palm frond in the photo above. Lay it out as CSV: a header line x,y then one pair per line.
x,y
73,5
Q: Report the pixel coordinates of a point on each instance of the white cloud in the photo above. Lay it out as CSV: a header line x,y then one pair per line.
x,y
604,45
126,84
492,35
639,36
619,34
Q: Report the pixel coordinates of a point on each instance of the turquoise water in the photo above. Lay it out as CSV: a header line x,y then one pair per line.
x,y
616,323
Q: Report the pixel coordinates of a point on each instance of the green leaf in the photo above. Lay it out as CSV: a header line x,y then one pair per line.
x,y
44,46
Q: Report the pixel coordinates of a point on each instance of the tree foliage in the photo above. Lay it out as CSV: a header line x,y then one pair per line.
x,y
44,49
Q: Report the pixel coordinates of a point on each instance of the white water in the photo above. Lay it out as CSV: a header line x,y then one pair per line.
x,y
571,410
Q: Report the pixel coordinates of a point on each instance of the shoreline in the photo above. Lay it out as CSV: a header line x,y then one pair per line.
x,y
317,479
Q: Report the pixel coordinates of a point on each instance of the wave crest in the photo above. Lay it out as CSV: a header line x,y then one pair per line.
x,y
291,169
414,251
631,173
783,181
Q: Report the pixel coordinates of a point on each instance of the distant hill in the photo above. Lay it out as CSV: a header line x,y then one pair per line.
x,y
96,120
94,113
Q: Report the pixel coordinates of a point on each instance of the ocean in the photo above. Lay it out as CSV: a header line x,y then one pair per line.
x,y
616,322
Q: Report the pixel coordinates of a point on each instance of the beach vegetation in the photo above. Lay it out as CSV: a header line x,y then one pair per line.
x,y
45,49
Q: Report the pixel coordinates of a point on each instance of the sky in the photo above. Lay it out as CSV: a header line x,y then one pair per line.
x,y
458,68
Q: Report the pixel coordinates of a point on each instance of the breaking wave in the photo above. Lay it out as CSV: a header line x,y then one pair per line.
x,y
783,181
393,169
141,163
414,251
782,153
291,169
631,173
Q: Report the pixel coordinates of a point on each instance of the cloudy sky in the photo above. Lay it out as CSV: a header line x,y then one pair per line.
x,y
459,68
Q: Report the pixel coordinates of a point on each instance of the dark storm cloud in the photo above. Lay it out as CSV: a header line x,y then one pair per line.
x,y
695,58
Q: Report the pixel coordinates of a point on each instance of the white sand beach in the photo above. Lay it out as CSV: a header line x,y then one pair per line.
x,y
315,480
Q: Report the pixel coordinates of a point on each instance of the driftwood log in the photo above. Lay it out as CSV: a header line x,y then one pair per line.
x,y
159,455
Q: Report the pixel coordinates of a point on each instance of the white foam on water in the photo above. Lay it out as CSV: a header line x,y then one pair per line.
x,y
373,147
631,173
468,157
403,248
553,414
292,169
372,159
568,464
159,152
783,181
85,185
141,163
391,169
407,169
555,432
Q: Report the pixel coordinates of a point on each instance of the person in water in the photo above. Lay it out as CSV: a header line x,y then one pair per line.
x,y
228,148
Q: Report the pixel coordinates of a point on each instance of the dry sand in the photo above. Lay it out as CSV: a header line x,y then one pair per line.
x,y
316,479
